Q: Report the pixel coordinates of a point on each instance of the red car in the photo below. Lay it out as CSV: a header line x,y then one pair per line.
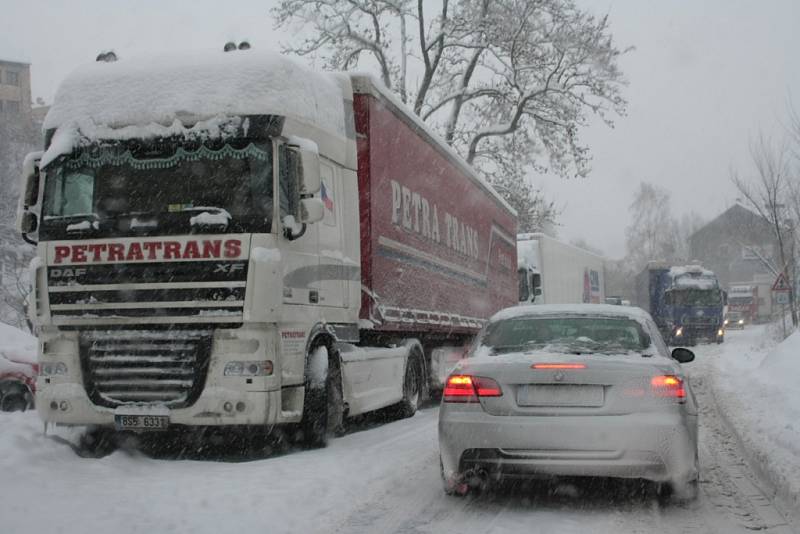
x,y
18,369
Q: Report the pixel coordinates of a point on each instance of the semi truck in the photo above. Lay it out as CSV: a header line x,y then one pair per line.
x,y
233,241
686,302
743,300
553,272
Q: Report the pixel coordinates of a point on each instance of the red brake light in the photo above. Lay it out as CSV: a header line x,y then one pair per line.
x,y
669,386
558,366
466,388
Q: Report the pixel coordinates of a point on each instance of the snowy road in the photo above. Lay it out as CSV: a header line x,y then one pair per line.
x,y
382,479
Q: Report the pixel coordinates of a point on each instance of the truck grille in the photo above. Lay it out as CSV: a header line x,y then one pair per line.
x,y
167,293
704,320
166,367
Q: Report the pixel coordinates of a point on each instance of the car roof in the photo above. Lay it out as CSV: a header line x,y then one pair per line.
x,y
589,310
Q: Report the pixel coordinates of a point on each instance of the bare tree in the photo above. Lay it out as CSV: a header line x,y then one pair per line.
x,y
508,83
769,193
652,232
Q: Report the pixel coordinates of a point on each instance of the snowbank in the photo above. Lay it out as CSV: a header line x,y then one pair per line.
x,y
16,345
758,391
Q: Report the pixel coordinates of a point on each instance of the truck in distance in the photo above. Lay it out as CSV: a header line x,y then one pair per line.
x,y
686,302
554,272
234,241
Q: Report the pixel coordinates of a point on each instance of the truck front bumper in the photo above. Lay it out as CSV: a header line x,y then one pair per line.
x,y
68,404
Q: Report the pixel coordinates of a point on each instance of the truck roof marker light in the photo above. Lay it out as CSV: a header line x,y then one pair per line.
x,y
558,366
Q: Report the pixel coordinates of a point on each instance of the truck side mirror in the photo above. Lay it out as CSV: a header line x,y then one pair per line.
x,y
537,291
27,220
27,223
311,210
306,163
30,180
524,289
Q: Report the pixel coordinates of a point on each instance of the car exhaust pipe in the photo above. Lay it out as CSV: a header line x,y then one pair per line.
x,y
477,479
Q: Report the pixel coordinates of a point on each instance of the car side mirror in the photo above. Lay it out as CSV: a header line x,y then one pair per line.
x,y
682,355
311,210
307,165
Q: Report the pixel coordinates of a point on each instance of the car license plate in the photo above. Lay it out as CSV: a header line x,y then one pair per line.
x,y
141,422
560,395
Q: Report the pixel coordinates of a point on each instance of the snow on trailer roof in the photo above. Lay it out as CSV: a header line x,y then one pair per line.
x,y
196,86
626,312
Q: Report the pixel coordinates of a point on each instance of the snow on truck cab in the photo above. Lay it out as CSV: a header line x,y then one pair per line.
x,y
234,240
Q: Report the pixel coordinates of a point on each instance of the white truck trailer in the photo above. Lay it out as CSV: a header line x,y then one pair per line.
x,y
553,272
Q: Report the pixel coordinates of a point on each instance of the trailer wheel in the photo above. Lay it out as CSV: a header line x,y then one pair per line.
x,y
322,407
412,385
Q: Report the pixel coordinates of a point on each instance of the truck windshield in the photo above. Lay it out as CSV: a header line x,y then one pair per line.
x,y
696,297
167,189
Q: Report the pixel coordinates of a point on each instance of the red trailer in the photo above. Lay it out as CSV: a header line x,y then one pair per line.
x,y
438,254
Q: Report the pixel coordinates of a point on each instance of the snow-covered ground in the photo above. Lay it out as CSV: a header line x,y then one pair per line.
x,y
375,479
757,386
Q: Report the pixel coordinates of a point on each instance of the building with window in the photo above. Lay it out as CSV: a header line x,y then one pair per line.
x,y
15,88
741,248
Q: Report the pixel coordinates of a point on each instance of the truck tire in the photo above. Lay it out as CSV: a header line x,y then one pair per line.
x,y
97,443
322,406
412,385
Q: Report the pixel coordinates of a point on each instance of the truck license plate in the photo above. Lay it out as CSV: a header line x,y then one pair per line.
x,y
141,422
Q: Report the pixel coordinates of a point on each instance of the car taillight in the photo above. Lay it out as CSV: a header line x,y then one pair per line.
x,y
466,388
668,386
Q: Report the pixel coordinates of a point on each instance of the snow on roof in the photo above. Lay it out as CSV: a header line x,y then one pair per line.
x,y
627,312
693,276
195,86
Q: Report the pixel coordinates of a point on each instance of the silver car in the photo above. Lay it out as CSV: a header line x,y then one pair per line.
x,y
578,390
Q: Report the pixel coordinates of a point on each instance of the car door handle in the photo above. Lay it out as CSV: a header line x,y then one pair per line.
x,y
313,296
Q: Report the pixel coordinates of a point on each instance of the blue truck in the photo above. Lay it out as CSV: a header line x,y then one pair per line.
x,y
686,302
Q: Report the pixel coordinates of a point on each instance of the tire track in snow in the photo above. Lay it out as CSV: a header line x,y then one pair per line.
x,y
728,482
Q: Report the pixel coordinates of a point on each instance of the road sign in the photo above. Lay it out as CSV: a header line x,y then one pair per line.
x,y
781,284
782,297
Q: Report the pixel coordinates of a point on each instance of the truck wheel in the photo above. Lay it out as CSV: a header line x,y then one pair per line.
x,y
412,386
97,443
322,407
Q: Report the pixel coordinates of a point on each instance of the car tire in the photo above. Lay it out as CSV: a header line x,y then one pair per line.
x,y
13,402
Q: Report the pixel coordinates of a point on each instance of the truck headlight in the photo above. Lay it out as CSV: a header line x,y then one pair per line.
x,y
257,368
725,322
741,321
52,369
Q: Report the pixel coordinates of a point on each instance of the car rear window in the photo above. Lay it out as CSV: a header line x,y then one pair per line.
x,y
566,334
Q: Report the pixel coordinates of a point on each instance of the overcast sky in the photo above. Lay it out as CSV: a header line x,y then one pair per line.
x,y
705,76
